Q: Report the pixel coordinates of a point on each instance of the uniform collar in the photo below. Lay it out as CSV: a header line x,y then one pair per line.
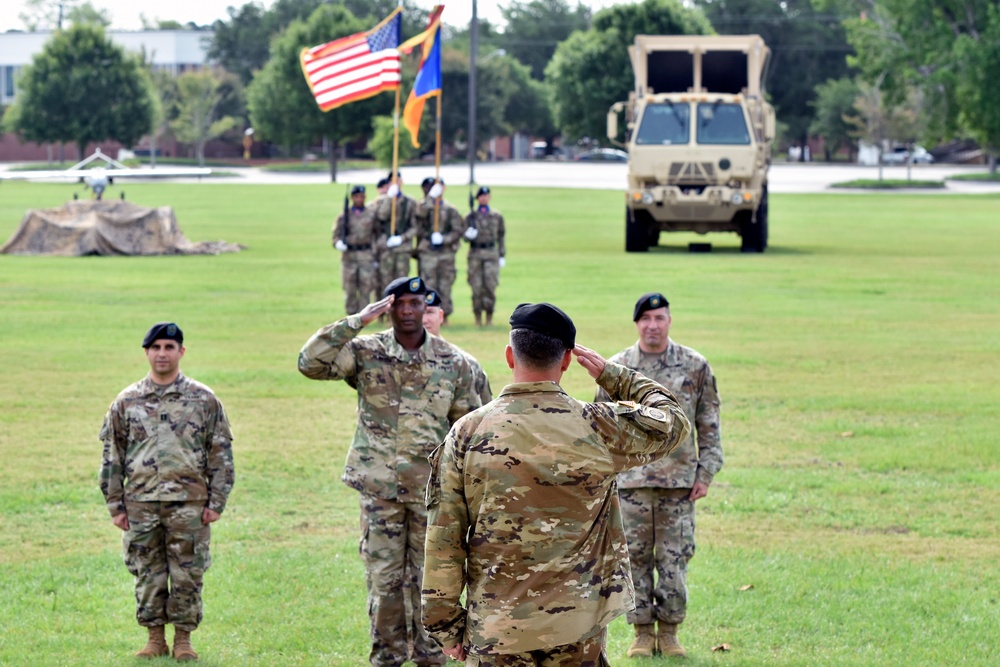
x,y
147,386
532,388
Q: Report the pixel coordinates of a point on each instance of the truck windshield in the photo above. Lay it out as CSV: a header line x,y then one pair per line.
x,y
720,123
664,124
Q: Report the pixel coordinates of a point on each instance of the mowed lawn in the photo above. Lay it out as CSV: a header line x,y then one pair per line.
x,y
855,521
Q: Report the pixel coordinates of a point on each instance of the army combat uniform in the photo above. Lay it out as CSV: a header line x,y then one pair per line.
x,y
358,267
523,515
394,262
167,456
406,403
659,517
437,262
485,252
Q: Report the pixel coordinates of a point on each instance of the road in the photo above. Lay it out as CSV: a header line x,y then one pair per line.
x,y
784,177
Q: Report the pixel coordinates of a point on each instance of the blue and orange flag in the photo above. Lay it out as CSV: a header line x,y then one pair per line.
x,y
428,81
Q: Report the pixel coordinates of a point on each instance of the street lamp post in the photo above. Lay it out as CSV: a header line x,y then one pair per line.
x,y
473,52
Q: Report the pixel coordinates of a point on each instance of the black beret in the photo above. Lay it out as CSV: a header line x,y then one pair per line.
x,y
433,299
358,190
401,286
544,318
427,183
649,301
382,182
483,190
163,331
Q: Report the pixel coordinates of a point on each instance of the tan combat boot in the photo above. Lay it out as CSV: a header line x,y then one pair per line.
x,y
182,646
644,642
489,318
479,319
666,640
156,645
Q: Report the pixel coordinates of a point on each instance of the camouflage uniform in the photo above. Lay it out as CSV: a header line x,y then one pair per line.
x,y
659,518
485,252
394,262
406,403
167,456
437,263
523,514
358,268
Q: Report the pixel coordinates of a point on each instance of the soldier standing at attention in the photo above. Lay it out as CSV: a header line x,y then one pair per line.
x,y
166,472
433,318
355,235
658,499
395,238
440,228
523,505
485,233
411,387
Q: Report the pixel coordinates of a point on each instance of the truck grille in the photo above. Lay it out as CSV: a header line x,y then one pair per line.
x,y
691,173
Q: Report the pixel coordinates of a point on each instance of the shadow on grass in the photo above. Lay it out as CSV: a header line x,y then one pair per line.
x,y
725,250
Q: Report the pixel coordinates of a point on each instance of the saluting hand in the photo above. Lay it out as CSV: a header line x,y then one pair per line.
x,y
593,362
371,312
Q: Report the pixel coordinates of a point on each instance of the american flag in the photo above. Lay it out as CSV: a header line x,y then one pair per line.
x,y
356,67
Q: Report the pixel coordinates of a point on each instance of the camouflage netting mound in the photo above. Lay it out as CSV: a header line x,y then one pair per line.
x,y
106,228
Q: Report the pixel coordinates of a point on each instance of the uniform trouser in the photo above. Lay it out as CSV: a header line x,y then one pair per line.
x,y
166,548
586,653
659,525
484,276
359,278
392,548
392,265
437,268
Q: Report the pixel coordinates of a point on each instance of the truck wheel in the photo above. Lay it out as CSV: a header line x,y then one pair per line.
x,y
636,233
755,233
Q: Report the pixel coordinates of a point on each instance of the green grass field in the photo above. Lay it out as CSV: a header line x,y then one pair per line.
x,y
857,361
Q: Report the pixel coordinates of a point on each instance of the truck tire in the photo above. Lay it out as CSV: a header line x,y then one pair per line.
x,y
754,233
636,233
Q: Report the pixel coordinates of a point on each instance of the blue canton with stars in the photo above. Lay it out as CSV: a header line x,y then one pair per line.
x,y
386,37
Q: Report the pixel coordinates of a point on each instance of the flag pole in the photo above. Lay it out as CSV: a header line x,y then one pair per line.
x,y
437,159
395,148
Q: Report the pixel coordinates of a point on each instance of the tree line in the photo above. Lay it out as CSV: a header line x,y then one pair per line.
x,y
888,71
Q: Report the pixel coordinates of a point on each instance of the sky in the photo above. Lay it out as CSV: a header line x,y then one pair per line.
x,y
125,14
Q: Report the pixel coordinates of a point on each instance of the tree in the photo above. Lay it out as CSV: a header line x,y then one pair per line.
x,y
83,88
536,27
808,46
834,105
381,143
87,13
590,71
201,98
282,107
947,51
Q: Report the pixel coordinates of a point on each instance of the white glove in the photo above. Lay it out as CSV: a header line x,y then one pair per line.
x,y
436,238
503,262
471,233
393,190
436,190
393,241
340,245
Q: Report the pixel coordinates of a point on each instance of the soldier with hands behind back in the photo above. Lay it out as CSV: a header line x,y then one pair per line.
x,y
524,510
411,388
166,473
658,499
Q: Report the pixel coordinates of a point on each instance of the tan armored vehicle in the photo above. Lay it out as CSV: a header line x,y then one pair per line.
x,y
699,138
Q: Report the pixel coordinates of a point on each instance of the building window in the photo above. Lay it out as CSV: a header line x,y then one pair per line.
x,y
8,82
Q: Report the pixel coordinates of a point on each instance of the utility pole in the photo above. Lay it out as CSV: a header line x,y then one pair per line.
x,y
473,53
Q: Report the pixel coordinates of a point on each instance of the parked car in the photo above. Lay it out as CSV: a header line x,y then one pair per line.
x,y
902,155
542,151
603,155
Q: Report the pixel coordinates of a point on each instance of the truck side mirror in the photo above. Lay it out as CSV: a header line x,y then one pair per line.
x,y
613,124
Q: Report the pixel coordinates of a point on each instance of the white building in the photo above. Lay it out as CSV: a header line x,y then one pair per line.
x,y
176,51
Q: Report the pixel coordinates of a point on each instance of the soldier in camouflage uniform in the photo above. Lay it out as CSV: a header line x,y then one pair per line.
x,y
440,227
395,242
355,236
523,505
411,387
433,318
166,472
658,499
487,255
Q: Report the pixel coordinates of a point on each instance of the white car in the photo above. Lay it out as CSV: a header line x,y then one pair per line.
x,y
902,155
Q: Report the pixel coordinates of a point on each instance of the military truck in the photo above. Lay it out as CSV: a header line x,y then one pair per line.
x,y
699,135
